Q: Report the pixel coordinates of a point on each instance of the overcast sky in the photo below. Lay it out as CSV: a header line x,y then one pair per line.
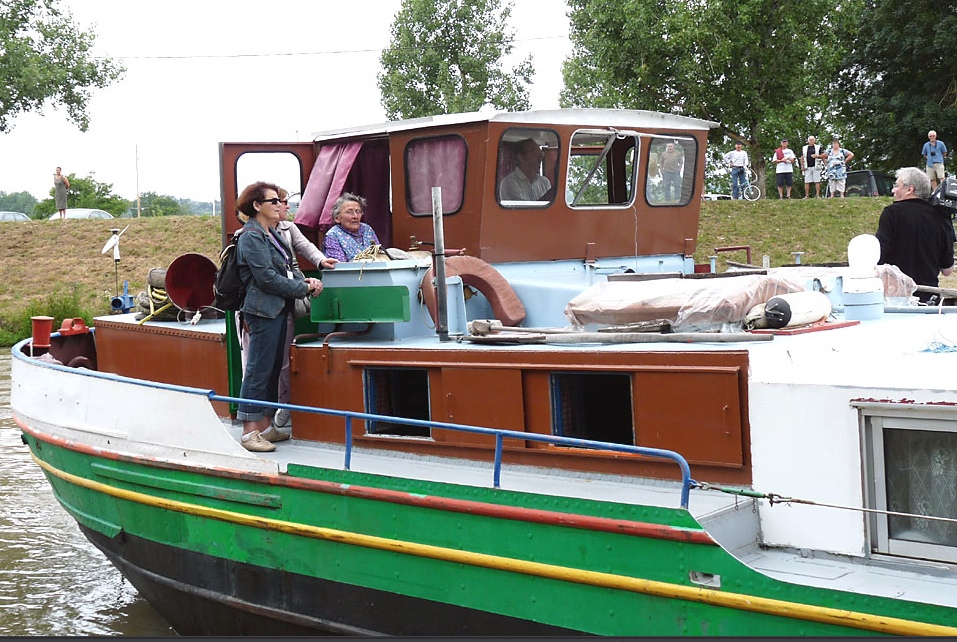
x,y
190,67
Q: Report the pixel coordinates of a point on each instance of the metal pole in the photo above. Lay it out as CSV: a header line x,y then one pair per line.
x,y
136,152
441,294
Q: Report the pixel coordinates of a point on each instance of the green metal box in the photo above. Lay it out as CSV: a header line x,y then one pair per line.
x,y
366,304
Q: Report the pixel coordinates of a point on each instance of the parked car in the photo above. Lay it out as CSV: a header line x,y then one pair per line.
x,y
81,212
13,216
716,197
868,182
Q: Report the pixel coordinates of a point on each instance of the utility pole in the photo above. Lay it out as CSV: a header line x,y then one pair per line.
x,y
136,152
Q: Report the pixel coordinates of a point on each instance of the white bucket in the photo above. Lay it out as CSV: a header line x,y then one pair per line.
x,y
863,298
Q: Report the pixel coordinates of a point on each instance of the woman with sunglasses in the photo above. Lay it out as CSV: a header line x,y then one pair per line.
x,y
273,284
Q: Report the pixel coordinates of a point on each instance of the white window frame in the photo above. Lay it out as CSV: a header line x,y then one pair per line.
x,y
875,417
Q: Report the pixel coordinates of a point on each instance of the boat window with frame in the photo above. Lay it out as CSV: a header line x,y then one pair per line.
x,y
397,392
594,406
285,167
527,171
671,166
911,480
435,161
601,169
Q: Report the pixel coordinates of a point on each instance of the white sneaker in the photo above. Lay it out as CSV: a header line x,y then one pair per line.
x,y
271,434
254,442
282,418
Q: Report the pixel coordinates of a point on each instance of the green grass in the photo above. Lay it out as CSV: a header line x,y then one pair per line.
x,y
776,228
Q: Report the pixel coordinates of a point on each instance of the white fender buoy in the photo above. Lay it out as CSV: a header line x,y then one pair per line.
x,y
797,308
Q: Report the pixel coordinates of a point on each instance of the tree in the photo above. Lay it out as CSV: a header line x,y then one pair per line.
x,y
45,58
759,68
18,202
446,56
153,204
86,192
899,81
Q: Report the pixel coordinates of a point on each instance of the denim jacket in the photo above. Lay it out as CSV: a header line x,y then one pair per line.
x,y
263,268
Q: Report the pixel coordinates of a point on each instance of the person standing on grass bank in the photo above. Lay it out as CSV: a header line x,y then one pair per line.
x,y
935,153
811,166
738,161
913,235
60,185
835,164
784,160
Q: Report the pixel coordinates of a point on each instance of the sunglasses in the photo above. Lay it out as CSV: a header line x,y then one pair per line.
x,y
275,201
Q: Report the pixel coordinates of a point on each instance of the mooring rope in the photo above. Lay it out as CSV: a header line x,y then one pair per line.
x,y
774,498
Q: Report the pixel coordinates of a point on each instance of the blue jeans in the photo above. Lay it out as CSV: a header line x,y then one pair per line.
x,y
267,341
671,182
737,182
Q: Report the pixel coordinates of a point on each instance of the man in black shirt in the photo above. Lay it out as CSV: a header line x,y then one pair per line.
x,y
913,234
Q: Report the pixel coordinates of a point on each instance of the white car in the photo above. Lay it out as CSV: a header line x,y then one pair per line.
x,y
13,216
716,197
81,212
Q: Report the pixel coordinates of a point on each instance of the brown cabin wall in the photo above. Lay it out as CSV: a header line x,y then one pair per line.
x,y
513,392
496,234
554,232
462,229
229,154
560,232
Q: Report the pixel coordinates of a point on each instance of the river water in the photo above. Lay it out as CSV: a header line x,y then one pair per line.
x,y
53,582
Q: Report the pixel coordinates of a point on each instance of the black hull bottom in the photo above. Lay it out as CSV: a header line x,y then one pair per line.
x,y
203,595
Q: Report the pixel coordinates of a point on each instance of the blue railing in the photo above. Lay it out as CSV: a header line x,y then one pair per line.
x,y
498,433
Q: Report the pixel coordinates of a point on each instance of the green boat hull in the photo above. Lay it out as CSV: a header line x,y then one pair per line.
x,y
331,551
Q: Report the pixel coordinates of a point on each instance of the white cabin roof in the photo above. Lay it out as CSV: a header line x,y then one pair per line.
x,y
586,117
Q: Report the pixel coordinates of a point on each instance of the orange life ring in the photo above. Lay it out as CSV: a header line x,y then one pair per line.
x,y
483,277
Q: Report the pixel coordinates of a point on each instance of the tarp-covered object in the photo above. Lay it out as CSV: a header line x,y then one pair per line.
x,y
690,304
709,304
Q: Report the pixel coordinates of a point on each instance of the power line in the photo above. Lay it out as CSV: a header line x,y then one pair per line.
x,y
291,53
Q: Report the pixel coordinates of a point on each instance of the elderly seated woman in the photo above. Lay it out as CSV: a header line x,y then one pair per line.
x,y
349,236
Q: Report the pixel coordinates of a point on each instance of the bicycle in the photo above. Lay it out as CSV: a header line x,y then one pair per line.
x,y
750,191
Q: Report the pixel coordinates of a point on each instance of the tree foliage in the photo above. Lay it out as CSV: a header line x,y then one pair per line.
x,y
45,58
759,68
86,192
900,81
17,202
446,56
153,204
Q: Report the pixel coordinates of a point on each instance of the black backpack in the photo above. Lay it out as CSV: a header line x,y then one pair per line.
x,y
228,287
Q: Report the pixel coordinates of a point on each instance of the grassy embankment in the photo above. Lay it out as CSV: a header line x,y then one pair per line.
x,y
56,268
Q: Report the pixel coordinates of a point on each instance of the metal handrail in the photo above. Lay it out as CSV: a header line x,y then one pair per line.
x,y
500,435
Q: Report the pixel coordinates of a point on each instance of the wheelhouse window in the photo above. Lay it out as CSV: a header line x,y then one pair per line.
x,y
594,406
527,168
601,169
912,480
437,161
397,392
671,167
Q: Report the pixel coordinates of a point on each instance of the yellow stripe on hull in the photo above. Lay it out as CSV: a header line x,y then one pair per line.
x,y
755,604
